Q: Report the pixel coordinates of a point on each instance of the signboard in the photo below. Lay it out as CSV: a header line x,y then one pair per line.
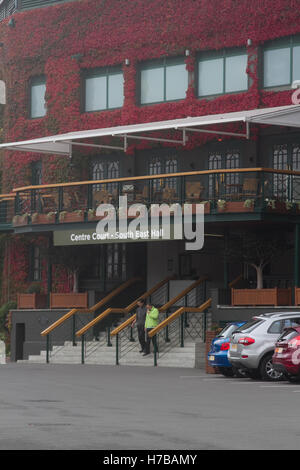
x,y
90,236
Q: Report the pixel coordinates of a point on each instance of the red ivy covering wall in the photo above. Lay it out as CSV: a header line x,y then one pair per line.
x,y
105,32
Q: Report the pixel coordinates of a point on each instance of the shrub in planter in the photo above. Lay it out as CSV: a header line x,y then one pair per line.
x,y
221,204
20,219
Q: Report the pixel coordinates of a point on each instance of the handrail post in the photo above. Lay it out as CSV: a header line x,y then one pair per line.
x,y
109,344
60,199
155,350
204,326
117,349
82,349
132,340
73,329
47,348
167,339
262,179
181,331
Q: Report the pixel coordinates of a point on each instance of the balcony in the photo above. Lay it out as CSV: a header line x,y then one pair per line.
x,y
236,194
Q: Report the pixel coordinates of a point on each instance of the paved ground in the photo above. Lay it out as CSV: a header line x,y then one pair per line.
x,y
106,407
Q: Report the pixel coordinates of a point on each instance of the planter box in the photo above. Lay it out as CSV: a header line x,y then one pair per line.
x,y
280,207
253,297
69,300
297,295
93,217
43,219
32,301
20,220
236,206
71,217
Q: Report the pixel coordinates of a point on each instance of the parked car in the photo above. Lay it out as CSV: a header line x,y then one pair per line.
x,y
218,354
286,358
252,345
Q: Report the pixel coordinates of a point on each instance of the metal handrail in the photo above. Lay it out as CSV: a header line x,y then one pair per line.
x,y
235,281
159,176
100,304
125,310
182,294
165,307
177,314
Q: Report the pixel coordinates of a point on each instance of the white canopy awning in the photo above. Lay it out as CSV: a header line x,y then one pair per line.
x,y
62,144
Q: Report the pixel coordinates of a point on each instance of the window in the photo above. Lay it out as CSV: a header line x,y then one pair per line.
x,y
103,89
222,72
230,183
37,97
36,173
158,166
35,264
116,262
281,62
163,80
286,156
105,169
275,328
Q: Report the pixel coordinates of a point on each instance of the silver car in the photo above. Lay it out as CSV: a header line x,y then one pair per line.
x,y
252,345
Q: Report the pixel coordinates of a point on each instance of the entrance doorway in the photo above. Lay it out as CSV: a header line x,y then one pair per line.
x,y
20,339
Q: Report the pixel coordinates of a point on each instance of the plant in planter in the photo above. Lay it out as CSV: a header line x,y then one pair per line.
x,y
221,204
73,216
33,298
4,323
257,249
249,203
62,216
34,217
74,258
289,205
51,216
271,203
34,288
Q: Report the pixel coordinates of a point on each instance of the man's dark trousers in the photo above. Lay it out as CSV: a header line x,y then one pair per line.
x,y
148,340
141,335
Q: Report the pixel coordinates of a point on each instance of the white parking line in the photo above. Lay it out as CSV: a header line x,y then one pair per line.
x,y
192,376
275,386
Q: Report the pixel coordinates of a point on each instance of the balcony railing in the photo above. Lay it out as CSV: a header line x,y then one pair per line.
x,y
237,190
7,209
8,7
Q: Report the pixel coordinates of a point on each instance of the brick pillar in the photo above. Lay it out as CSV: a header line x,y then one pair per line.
x,y
210,335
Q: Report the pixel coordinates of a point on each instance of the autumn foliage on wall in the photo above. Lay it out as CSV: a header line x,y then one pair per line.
x,y
61,41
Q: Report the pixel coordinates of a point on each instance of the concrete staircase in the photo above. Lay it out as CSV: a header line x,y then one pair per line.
x,y
97,353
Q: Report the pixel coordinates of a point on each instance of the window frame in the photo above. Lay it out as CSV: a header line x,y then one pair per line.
x,y
220,54
36,80
282,43
160,63
100,72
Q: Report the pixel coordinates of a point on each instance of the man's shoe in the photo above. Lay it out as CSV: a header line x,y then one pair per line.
x,y
146,354
141,351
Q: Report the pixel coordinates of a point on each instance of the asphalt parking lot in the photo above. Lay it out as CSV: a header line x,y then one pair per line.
x,y
105,407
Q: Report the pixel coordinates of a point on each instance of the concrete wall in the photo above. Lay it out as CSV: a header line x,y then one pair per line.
x,y
37,321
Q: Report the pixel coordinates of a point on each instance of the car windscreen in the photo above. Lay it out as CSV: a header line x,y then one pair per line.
x,y
250,325
227,331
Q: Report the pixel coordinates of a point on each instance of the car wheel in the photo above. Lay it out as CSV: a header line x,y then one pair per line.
x,y
268,371
226,371
240,373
